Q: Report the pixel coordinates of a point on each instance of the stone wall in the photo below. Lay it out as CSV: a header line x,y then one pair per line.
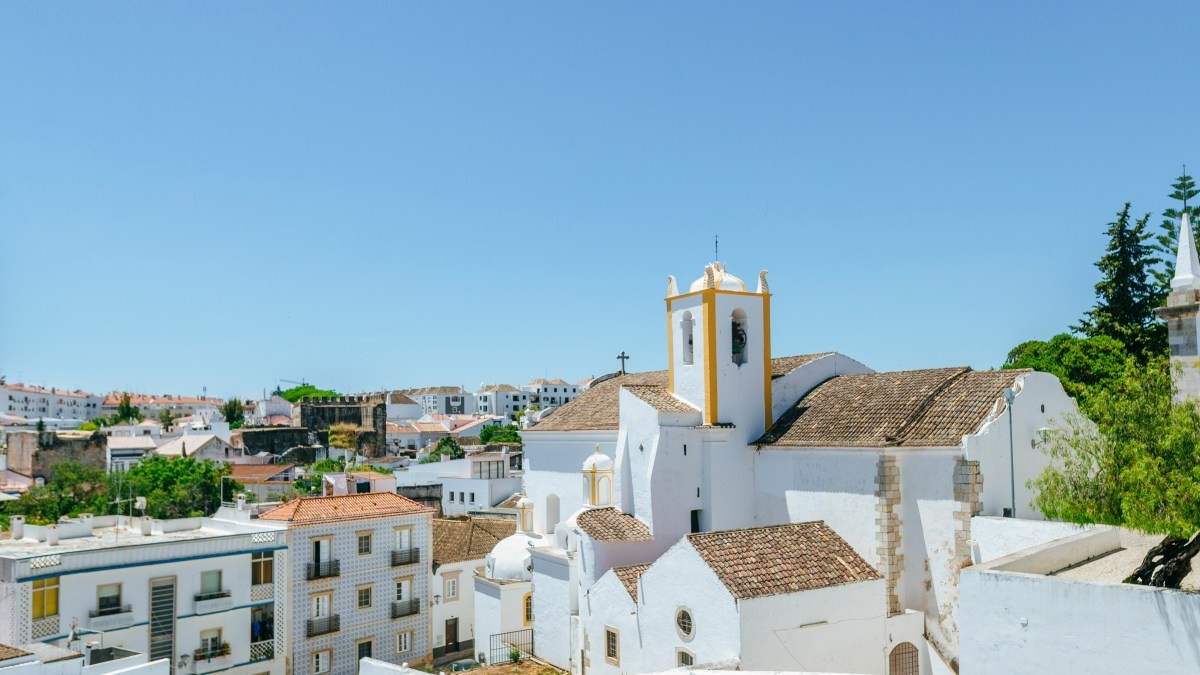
x,y
275,440
368,413
32,453
891,560
968,492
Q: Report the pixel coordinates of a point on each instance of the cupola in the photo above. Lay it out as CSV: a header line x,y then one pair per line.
x,y
598,479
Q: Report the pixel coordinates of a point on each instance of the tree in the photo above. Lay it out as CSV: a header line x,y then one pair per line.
x,y
294,394
1083,364
74,489
180,487
167,418
496,434
126,411
234,412
1167,241
41,425
1134,467
446,446
1126,296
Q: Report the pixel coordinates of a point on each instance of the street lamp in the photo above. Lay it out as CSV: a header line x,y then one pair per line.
x,y
1009,397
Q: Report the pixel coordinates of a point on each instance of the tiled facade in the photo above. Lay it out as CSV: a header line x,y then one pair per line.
x,y
374,570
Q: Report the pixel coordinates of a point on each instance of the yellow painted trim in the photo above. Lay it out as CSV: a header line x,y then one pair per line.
x,y
712,290
670,350
766,327
710,356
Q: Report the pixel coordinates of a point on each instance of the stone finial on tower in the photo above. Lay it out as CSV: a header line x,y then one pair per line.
x,y
1187,264
672,287
762,282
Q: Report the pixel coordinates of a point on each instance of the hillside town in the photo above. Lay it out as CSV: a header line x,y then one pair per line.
x,y
738,509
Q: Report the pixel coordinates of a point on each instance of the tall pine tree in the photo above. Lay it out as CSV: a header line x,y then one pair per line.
x,y
1184,191
1127,294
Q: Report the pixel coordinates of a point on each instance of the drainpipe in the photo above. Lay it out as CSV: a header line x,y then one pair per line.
x,y
1009,397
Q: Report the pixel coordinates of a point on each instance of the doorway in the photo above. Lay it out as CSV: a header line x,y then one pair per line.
x,y
451,635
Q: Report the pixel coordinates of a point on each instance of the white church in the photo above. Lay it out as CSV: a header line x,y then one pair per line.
x,y
740,510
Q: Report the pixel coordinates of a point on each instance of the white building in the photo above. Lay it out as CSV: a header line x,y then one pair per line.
x,y
478,482
731,437
358,580
209,446
150,405
270,412
442,400
503,400
550,393
504,592
199,592
126,451
400,406
459,548
88,658
33,403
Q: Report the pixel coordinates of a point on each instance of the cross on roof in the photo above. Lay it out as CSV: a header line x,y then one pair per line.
x,y
622,357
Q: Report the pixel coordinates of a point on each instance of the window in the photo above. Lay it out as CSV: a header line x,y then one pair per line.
x,y
210,583
45,597
403,589
108,599
364,597
612,646
688,347
403,538
262,567
210,642
364,543
528,609
683,623
451,588
321,604
404,642
472,497
904,660
322,661
684,658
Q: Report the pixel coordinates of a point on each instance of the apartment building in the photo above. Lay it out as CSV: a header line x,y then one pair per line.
x,y
359,575
33,403
503,400
550,393
441,400
199,592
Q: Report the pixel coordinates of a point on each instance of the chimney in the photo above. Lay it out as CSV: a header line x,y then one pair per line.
x,y
241,501
86,519
52,535
16,527
145,525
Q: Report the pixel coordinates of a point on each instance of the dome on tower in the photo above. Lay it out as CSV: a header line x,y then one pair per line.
x,y
598,461
716,277
509,559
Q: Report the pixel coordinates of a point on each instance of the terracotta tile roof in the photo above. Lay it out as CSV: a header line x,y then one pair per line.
x,y
629,576
511,502
394,428
8,652
398,398
430,428
761,561
48,391
469,539
913,408
193,443
609,524
660,398
113,398
257,471
542,380
786,364
343,507
498,387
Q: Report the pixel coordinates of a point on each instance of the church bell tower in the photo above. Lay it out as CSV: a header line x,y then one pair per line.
x,y
1182,315
719,347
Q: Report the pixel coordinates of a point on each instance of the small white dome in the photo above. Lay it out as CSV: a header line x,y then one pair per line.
x,y
510,558
524,502
722,280
598,461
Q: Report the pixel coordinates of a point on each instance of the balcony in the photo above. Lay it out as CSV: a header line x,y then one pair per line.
x,y
323,625
208,654
262,592
45,627
406,607
406,556
108,618
262,651
324,569
207,603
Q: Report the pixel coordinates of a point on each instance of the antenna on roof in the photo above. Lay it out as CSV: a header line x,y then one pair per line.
x,y
716,247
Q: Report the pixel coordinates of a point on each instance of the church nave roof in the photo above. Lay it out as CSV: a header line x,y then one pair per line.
x,y
609,524
912,408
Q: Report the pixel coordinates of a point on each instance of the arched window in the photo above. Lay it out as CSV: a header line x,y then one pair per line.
x,y
689,349
738,343
904,660
604,491
528,606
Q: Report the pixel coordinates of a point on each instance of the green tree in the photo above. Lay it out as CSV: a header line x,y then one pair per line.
x,y
446,446
1126,295
497,434
1083,364
73,489
1136,466
167,419
294,394
1167,241
126,412
234,412
180,487
41,425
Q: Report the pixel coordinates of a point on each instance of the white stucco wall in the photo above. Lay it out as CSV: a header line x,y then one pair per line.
x,y
802,484
609,604
840,629
553,463
659,483
1040,403
462,607
499,608
554,600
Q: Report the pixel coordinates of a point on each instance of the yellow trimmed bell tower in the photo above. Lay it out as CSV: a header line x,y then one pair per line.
x,y
719,348
598,479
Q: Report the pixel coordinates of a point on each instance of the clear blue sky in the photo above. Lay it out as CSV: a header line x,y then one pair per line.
x,y
404,194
